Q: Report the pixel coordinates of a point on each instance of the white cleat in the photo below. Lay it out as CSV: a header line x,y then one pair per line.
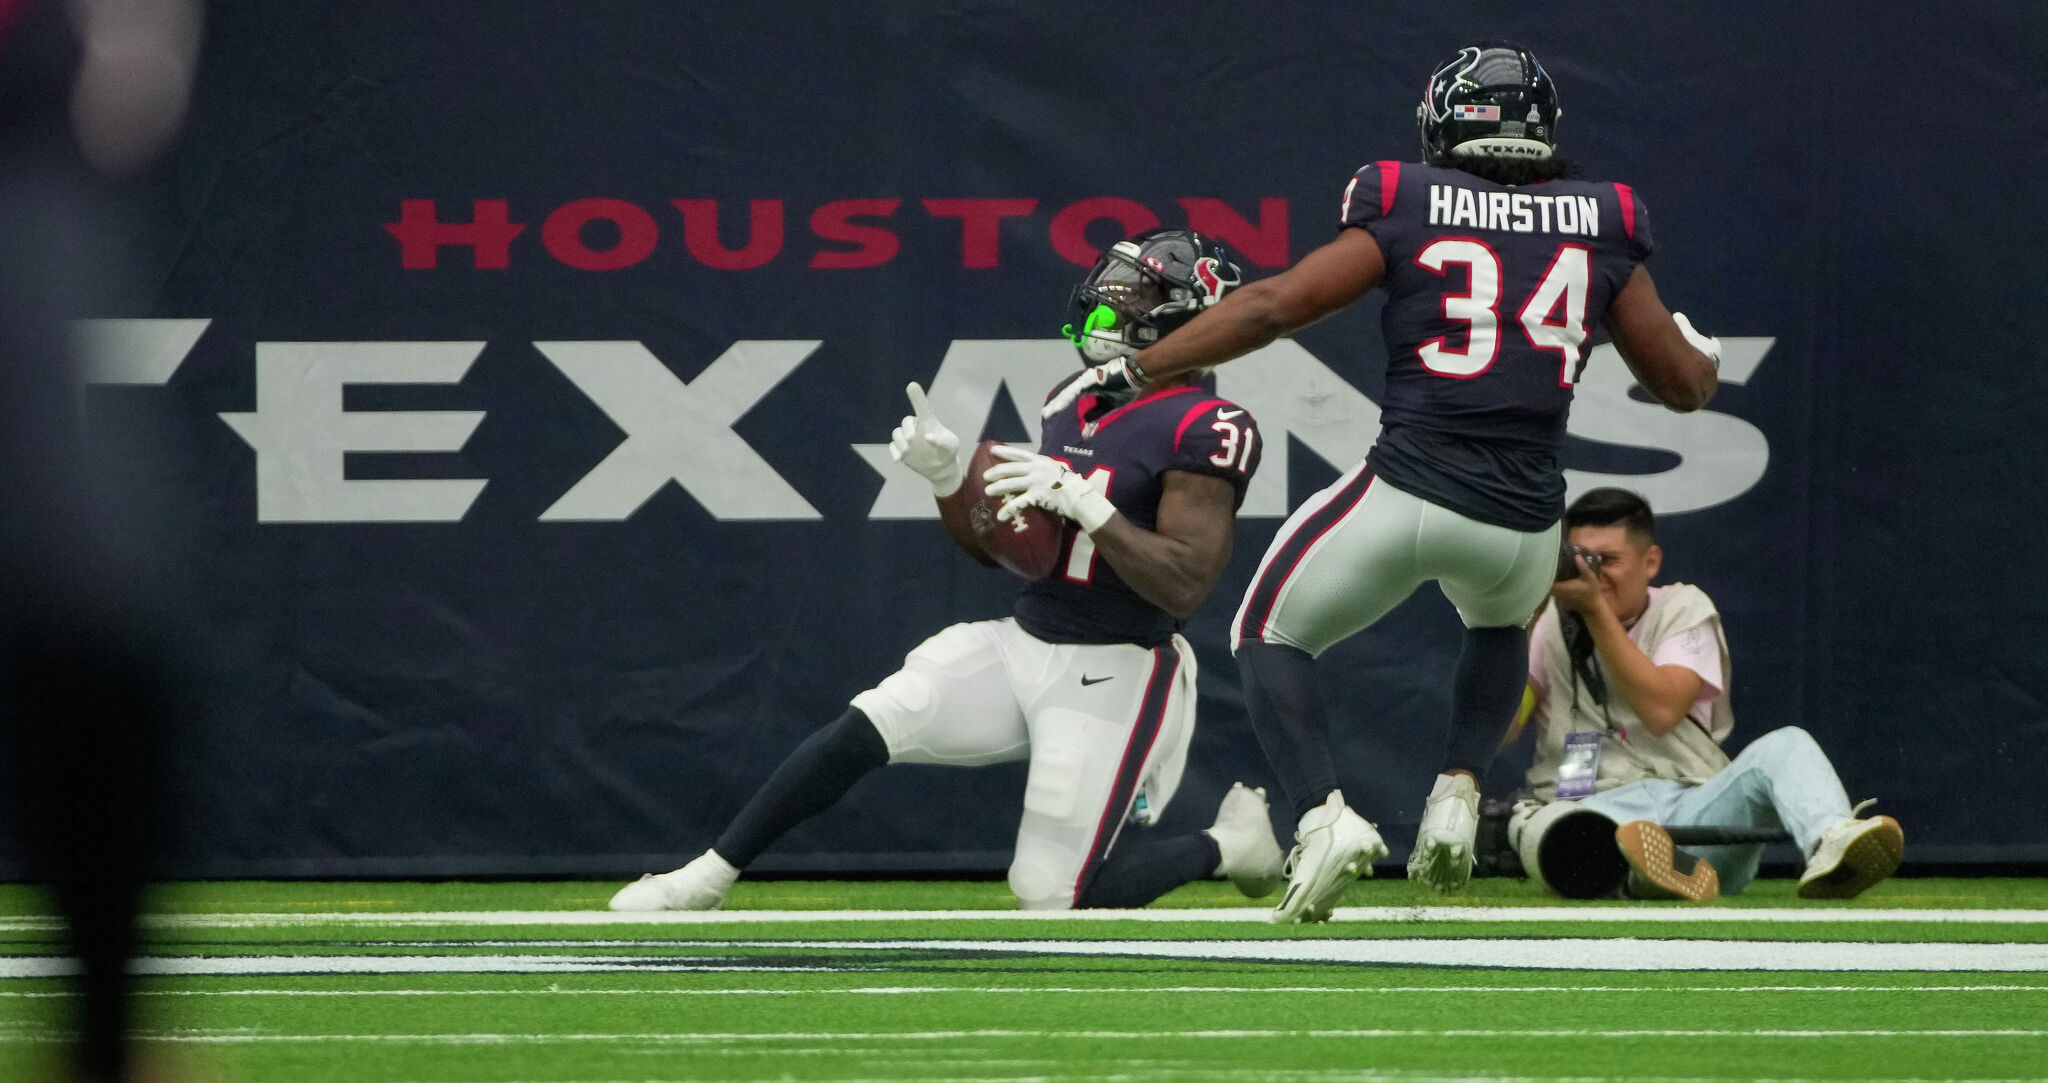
x,y
1443,854
1333,846
1851,856
1244,835
699,885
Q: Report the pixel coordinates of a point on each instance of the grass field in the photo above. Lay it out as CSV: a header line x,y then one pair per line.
x,y
1922,979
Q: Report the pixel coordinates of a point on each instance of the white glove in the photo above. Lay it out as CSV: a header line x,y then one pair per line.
x,y
1705,344
926,446
1026,479
1111,378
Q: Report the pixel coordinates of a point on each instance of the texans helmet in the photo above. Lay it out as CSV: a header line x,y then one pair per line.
x,y
1145,287
1493,98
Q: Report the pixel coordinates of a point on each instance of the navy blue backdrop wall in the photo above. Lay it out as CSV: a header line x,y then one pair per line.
x,y
528,374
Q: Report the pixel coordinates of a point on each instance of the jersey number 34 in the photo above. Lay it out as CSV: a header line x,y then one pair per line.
x,y
1553,318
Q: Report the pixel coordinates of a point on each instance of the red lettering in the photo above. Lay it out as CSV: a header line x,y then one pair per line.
x,y
701,235
980,220
833,222
562,233
421,234
1264,244
1070,226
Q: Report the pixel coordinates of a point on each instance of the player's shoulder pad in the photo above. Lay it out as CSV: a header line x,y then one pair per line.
x,y
1212,424
1061,385
1635,220
1370,195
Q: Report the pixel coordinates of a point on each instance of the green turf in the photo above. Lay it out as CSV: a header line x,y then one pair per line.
x,y
778,1010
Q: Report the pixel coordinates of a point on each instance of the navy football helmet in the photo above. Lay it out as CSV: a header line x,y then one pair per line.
x,y
1145,287
1493,98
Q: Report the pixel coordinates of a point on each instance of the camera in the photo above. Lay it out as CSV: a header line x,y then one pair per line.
x,y
1567,568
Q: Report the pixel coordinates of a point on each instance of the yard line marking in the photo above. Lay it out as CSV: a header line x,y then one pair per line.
x,y
1630,913
1547,991
252,1037
53,966
1621,954
1573,953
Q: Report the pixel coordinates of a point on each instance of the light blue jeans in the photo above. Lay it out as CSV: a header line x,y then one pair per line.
x,y
1781,780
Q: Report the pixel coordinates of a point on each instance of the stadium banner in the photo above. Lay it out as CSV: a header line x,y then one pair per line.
x,y
530,373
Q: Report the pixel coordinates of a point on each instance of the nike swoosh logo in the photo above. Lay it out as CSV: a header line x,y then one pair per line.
x,y
1226,415
1087,680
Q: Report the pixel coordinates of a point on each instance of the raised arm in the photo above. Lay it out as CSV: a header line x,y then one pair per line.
x,y
931,451
1247,318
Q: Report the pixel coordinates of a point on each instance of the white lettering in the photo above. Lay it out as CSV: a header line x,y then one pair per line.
x,y
678,432
1524,221
1466,214
301,434
1291,393
1439,204
136,352
1543,207
1567,214
962,395
1720,456
1589,215
1496,210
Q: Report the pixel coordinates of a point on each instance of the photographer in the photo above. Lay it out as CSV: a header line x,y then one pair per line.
x,y
1629,691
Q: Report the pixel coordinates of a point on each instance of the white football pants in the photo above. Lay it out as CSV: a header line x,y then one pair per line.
x,y
1105,726
1358,548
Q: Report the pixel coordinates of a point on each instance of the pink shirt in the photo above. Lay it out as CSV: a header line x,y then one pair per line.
x,y
1695,648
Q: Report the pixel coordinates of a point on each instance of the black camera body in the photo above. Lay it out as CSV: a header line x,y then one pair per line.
x,y
1567,568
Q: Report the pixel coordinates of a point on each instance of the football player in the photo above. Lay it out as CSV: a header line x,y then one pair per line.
x,y
1088,679
1497,261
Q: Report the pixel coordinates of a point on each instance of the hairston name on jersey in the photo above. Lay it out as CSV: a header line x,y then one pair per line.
x,y
1514,212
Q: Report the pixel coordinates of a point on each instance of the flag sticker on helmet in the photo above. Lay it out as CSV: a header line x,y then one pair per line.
x,y
1475,112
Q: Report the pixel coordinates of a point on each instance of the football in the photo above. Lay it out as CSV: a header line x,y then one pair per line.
x,y
1028,545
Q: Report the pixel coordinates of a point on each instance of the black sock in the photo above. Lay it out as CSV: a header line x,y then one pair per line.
x,y
1139,868
1493,668
814,776
1287,715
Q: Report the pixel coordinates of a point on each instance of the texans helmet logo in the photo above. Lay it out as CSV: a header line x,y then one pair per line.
x,y
1212,284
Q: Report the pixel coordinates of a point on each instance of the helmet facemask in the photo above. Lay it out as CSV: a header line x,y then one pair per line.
x,y
1144,287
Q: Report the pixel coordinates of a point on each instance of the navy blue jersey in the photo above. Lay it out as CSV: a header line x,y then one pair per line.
x,y
1491,293
1126,452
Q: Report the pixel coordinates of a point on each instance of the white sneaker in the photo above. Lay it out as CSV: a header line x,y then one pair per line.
x,y
1658,869
1443,854
1851,856
699,885
1333,846
1244,835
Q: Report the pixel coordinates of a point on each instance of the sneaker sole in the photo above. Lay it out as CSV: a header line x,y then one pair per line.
x,y
1445,869
1872,857
1649,851
1312,900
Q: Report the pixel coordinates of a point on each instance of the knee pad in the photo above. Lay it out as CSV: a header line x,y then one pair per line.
x,y
1038,886
1569,849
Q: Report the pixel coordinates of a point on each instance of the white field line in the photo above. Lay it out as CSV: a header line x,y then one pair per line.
x,y
52,966
1246,915
1548,991
255,1037
1571,954
1577,953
